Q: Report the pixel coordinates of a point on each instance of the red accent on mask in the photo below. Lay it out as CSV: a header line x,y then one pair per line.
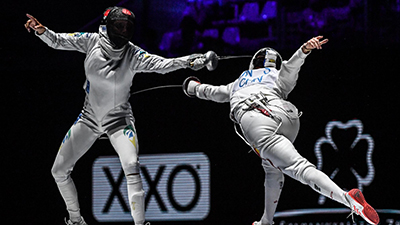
x,y
107,12
126,12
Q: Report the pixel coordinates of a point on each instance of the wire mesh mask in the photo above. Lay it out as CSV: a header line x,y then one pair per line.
x,y
120,25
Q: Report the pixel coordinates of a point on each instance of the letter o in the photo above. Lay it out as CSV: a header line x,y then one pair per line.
x,y
171,178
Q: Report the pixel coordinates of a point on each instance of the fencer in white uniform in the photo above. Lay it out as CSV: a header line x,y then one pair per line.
x,y
270,125
110,65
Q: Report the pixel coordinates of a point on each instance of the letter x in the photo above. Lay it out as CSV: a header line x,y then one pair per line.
x,y
153,187
115,190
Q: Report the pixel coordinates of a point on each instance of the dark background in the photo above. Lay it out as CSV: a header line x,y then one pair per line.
x,y
355,76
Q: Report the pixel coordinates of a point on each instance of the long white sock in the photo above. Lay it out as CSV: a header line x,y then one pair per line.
x,y
70,195
136,198
274,181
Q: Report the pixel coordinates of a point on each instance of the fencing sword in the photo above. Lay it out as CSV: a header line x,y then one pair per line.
x,y
212,59
211,64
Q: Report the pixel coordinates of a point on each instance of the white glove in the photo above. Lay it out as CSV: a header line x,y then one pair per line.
x,y
189,86
197,61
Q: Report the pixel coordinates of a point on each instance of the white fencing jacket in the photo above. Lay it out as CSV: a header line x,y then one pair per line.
x,y
109,72
276,84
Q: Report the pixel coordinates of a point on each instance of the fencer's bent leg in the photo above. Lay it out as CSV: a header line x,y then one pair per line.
x,y
125,144
273,185
75,144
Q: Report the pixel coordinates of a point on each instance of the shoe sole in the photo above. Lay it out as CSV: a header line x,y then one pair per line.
x,y
368,213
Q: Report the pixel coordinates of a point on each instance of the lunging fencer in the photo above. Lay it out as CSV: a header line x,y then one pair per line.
x,y
270,125
110,65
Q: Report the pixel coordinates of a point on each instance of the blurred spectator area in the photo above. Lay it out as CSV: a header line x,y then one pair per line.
x,y
343,21
223,25
238,26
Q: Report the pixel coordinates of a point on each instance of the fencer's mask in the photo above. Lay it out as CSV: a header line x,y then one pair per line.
x,y
265,57
120,25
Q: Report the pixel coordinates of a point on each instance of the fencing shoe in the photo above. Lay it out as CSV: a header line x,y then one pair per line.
x,y
360,207
256,223
82,222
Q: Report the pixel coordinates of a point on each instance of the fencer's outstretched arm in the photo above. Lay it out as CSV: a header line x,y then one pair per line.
x,y
159,64
192,87
289,71
34,24
60,41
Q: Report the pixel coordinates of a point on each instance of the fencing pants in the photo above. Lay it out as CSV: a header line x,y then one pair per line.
x,y
120,129
274,144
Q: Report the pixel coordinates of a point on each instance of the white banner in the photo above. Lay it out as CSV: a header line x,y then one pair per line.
x,y
177,187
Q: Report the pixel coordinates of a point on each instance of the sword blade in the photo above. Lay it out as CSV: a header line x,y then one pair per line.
x,y
233,57
157,87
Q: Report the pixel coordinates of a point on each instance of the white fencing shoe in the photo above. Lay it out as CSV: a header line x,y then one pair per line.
x,y
82,222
